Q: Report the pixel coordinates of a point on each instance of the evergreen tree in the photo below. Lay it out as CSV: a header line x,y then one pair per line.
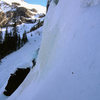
x,y
6,43
19,41
24,38
1,45
0,36
15,36
11,39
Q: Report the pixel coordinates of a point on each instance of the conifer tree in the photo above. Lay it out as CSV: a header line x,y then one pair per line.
x,y
15,36
11,41
6,42
24,38
19,41
0,36
1,45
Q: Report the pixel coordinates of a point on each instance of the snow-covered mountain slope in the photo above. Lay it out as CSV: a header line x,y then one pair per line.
x,y
29,19
22,11
21,3
22,58
68,62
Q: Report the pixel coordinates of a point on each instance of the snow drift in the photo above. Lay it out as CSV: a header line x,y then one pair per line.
x,y
68,61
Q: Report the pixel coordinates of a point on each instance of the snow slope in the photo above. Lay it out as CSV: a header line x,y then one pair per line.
x,y
22,58
68,61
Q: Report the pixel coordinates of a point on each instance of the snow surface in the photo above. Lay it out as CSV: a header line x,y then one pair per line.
x,y
22,58
21,28
39,8
68,66
4,8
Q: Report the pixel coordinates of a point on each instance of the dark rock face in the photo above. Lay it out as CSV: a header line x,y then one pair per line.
x,y
21,14
21,11
39,24
34,62
34,10
24,20
3,19
48,4
16,11
42,15
15,4
15,80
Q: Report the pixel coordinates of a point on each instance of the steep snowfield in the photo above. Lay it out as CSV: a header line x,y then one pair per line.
x,y
68,61
19,59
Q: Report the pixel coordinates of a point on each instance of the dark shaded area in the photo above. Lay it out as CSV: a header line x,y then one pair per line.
x,y
11,42
38,25
34,10
22,11
48,4
15,4
15,80
3,19
56,1
34,62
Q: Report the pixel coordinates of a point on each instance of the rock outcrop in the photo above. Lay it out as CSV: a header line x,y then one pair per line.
x,y
15,80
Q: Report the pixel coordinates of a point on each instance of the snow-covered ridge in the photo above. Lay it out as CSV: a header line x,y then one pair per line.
x,y
39,8
24,13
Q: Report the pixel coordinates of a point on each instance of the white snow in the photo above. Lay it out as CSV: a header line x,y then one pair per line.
x,y
39,8
21,28
4,7
68,66
22,58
